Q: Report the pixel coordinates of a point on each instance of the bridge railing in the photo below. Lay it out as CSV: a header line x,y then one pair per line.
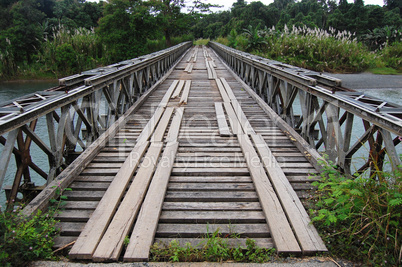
x,y
73,114
357,132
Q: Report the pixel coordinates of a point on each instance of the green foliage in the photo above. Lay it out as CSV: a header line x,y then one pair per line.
x,y
255,39
201,42
23,240
212,248
360,218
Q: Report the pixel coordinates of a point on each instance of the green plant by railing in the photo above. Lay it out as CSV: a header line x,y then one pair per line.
x,y
24,240
212,248
360,218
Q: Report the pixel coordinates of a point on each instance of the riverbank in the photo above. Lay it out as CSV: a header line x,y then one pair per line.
x,y
369,81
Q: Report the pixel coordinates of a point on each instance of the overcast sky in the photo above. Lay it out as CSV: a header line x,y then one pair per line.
x,y
228,3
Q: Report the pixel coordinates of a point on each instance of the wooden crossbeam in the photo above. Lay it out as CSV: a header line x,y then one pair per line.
x,y
307,235
221,118
111,244
101,217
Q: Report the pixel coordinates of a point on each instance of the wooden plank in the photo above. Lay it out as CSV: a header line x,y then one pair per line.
x,y
162,125
211,187
190,69
210,171
213,72
194,206
150,127
222,91
234,122
178,89
212,217
307,235
200,230
147,222
168,94
229,90
221,118
223,196
285,241
247,128
174,129
186,91
210,179
93,231
111,244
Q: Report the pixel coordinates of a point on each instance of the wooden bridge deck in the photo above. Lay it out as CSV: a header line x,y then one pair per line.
x,y
189,177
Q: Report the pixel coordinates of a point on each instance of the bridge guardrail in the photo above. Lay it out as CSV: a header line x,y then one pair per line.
x,y
73,115
328,113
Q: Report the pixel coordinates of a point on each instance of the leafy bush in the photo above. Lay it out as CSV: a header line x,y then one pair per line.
x,y
212,248
23,240
360,218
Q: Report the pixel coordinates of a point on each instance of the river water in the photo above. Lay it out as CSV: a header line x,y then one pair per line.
x,y
12,90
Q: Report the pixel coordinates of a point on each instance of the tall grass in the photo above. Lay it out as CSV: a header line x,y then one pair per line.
x,y
71,51
317,49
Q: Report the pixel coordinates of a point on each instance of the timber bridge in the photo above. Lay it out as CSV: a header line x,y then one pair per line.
x,y
185,141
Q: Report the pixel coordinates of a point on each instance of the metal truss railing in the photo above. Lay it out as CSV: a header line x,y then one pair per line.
x,y
325,114
73,114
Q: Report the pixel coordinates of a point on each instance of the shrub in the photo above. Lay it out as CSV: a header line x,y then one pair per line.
x,y
23,240
360,218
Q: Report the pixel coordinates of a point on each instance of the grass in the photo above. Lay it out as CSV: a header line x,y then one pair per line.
x,y
359,219
315,49
385,71
201,42
212,248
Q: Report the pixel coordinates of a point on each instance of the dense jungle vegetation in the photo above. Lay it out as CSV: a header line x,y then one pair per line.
x,y
53,38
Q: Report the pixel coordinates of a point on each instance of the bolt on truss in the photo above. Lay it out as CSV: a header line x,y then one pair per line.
x,y
322,112
73,114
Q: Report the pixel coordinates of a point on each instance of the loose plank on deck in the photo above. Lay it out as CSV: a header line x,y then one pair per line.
x,y
222,123
306,233
111,244
93,231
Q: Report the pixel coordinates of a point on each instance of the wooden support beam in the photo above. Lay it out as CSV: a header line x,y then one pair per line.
x,y
111,244
6,154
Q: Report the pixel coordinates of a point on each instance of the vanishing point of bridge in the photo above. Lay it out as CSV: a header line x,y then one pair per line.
x,y
186,147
